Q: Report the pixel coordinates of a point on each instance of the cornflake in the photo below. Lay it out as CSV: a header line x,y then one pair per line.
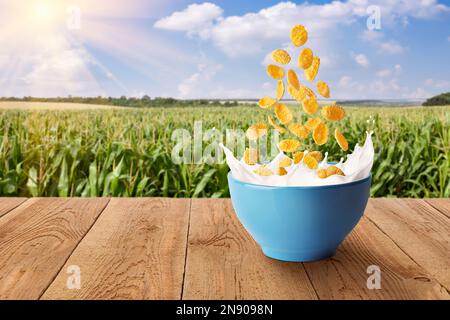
x,y
308,92
275,72
310,106
281,56
283,113
285,162
288,145
281,171
298,156
280,89
299,130
320,134
311,72
293,79
323,89
342,142
331,170
310,161
263,171
266,102
322,173
299,35
312,123
298,95
333,113
305,58
316,155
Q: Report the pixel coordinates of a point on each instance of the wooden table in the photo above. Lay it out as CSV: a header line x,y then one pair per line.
x,y
158,248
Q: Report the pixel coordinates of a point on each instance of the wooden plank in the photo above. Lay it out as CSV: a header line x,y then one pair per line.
x,y
345,275
224,262
442,205
7,204
136,250
37,238
419,230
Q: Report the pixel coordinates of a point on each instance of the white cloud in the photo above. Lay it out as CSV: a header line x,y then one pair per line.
x,y
247,34
385,46
326,60
136,94
384,88
418,93
267,59
361,59
395,12
110,75
372,36
405,21
394,84
429,82
350,88
423,9
345,81
256,32
195,86
238,93
438,84
384,73
44,58
443,84
252,32
391,47
196,19
243,93
49,66
268,86
379,88
387,72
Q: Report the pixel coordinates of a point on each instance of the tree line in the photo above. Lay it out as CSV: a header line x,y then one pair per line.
x,y
442,99
124,101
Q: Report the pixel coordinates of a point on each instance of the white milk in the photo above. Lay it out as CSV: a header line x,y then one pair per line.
x,y
356,167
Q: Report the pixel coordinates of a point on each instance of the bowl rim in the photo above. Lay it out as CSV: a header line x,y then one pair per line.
x,y
328,186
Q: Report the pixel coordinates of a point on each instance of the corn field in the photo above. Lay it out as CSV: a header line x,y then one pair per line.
x,y
127,152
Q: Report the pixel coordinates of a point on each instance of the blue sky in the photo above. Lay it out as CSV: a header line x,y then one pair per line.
x,y
219,49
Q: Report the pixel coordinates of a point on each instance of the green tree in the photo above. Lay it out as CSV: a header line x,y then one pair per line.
x,y
442,99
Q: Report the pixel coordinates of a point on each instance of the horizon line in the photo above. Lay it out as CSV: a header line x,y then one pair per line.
x,y
6,98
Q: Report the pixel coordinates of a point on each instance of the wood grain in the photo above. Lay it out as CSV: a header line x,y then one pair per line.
x,y
7,204
419,230
147,248
224,262
36,239
136,250
442,205
345,275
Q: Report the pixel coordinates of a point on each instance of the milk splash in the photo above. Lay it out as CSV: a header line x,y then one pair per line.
x,y
356,167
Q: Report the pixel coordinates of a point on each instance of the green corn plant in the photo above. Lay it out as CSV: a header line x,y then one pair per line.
x,y
127,153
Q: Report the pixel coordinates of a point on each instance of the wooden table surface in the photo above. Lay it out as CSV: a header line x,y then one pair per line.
x,y
159,248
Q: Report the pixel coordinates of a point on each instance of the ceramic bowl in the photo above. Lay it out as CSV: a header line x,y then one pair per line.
x,y
299,223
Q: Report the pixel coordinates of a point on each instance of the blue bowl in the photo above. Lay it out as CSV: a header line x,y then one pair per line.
x,y
299,223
